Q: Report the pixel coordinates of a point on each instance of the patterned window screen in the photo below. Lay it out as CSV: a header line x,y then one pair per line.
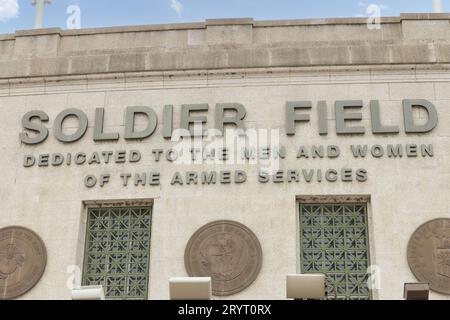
x,y
334,241
117,251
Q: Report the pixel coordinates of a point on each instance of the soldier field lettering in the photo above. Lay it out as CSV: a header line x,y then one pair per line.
x,y
346,112
140,122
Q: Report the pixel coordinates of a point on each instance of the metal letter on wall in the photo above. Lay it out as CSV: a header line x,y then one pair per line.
x,y
39,128
226,251
429,254
410,126
78,134
23,258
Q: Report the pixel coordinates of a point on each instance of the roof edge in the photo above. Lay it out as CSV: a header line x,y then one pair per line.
x,y
222,22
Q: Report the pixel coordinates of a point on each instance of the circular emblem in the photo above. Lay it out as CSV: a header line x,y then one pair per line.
x,y
226,251
23,258
429,254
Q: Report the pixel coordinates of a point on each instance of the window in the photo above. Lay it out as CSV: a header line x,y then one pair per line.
x,y
117,251
334,241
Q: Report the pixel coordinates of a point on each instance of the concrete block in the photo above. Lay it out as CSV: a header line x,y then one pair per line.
x,y
127,62
229,34
95,63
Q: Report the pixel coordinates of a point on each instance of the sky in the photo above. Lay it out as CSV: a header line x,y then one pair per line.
x,y
19,14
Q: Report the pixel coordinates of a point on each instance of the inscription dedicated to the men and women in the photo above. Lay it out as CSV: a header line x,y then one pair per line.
x,y
348,122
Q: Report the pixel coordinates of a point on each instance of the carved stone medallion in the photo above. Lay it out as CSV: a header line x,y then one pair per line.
x,y
226,251
429,254
23,258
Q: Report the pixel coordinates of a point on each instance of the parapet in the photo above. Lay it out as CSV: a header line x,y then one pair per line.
x,y
227,44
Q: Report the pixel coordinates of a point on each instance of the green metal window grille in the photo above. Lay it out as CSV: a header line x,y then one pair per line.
x,y
334,241
117,251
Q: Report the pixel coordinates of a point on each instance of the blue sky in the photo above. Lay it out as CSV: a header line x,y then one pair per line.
x,y
19,14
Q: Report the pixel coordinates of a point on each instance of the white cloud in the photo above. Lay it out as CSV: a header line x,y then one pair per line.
x,y
9,9
177,6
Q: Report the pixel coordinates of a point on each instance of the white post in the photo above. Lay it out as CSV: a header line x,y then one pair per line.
x,y
40,4
437,5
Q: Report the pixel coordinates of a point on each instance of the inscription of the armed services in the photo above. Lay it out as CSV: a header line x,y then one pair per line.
x,y
229,142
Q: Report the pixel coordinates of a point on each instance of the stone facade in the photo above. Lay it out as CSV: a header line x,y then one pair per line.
x,y
260,64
